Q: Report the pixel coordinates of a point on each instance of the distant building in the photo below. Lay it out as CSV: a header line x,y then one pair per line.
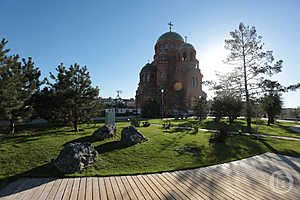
x,y
128,105
174,74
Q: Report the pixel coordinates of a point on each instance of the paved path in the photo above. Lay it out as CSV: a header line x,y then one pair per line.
x,y
294,128
249,178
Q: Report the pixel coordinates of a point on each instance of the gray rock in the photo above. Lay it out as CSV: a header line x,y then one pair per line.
x,y
106,131
132,136
75,157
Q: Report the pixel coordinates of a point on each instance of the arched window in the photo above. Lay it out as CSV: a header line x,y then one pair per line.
x,y
172,46
166,46
161,48
148,77
191,56
142,77
161,75
184,57
193,82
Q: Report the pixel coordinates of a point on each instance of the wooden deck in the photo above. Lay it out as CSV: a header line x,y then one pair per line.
x,y
244,179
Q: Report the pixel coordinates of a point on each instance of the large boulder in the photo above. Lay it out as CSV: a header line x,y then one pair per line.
x,y
106,131
75,157
130,135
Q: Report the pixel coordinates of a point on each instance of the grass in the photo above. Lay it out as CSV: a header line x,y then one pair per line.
x,y
278,129
30,152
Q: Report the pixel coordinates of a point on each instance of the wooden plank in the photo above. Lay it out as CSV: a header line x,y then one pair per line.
x,y
60,192
128,188
75,189
206,185
47,189
257,182
9,190
135,188
22,189
82,187
151,185
33,188
96,195
165,192
102,188
174,191
227,183
122,188
109,190
89,189
54,189
40,188
141,187
115,187
68,190
188,188
147,187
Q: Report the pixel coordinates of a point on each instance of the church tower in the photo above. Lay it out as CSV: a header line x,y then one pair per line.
x,y
173,77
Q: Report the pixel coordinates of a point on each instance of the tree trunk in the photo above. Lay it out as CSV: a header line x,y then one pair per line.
x,y
12,126
75,126
248,108
269,121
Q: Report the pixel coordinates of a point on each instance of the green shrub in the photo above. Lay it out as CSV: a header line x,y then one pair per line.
x,y
220,135
166,124
135,122
145,124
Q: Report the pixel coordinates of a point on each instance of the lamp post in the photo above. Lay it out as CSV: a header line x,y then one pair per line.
x,y
162,103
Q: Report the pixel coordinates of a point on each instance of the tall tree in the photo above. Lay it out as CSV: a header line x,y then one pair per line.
x,y
251,61
200,107
271,102
18,82
73,95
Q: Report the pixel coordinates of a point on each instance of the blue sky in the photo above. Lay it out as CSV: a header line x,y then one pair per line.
x,y
116,38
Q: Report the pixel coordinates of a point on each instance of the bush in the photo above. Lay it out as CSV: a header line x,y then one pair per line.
x,y
221,135
166,124
145,124
135,122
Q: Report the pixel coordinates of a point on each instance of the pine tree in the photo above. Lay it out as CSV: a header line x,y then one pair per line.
x,y
72,94
18,82
251,61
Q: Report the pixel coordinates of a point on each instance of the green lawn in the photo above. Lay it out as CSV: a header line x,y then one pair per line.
x,y
30,152
279,128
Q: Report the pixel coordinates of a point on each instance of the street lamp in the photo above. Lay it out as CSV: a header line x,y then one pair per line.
x,y
162,102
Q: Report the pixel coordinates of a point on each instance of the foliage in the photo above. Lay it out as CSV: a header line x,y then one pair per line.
x,y
166,124
150,109
200,107
251,61
135,122
71,99
146,124
271,101
226,105
221,135
18,82
180,103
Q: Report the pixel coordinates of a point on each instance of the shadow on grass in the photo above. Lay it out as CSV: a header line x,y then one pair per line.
x,y
111,146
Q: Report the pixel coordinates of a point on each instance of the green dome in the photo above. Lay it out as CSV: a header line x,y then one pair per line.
x,y
185,46
170,36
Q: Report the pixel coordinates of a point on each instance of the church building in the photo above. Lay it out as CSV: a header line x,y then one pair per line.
x,y
173,79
